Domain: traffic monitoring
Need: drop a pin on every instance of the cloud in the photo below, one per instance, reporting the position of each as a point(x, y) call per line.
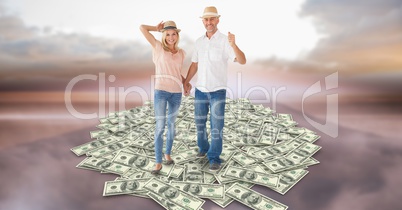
point(359, 35)
point(361, 172)
point(30, 48)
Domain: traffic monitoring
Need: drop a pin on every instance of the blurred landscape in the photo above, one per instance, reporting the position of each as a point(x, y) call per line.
point(362, 162)
point(358, 44)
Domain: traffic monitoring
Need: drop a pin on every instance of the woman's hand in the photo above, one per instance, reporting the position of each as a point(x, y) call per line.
point(187, 88)
point(159, 27)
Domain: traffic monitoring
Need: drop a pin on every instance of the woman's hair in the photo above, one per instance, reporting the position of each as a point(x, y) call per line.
point(164, 45)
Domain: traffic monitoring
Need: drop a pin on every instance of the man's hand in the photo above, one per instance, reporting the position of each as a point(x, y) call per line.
point(187, 88)
point(232, 39)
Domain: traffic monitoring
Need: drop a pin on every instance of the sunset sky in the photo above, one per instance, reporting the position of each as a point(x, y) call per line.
point(349, 50)
point(303, 35)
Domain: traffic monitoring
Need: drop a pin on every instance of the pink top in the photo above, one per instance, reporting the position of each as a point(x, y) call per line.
point(167, 69)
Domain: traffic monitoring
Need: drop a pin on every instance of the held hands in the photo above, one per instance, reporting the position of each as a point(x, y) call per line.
point(187, 88)
point(232, 39)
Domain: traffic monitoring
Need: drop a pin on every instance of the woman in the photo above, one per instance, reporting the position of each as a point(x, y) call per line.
point(168, 59)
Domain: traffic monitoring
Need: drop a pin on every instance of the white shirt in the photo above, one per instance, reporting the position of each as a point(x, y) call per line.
point(212, 56)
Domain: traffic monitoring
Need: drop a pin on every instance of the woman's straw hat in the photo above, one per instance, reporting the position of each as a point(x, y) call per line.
point(170, 25)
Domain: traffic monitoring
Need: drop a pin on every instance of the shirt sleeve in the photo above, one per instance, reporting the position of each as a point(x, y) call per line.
point(156, 52)
point(230, 51)
point(194, 58)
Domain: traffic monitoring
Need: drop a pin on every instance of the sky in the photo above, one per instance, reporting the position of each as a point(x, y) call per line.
point(120, 20)
point(291, 35)
point(46, 43)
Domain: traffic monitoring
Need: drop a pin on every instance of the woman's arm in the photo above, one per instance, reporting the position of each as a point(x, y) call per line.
point(145, 29)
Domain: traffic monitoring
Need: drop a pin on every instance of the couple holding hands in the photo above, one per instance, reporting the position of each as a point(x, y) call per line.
point(210, 59)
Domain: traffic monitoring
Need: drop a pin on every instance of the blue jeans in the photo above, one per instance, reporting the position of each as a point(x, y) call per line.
point(171, 101)
point(214, 102)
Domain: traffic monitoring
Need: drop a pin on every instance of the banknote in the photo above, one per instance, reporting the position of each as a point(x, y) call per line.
point(105, 165)
point(174, 194)
point(124, 187)
point(289, 179)
point(253, 199)
point(92, 145)
point(260, 147)
point(140, 162)
point(213, 191)
point(164, 202)
point(247, 175)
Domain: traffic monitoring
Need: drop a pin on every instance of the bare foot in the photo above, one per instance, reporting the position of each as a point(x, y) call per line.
point(158, 166)
point(167, 157)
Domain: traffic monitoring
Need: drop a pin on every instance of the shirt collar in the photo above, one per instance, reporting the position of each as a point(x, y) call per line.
point(216, 34)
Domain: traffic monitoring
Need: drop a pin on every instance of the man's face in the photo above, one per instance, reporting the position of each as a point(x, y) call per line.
point(171, 192)
point(193, 188)
point(253, 198)
point(249, 175)
point(106, 164)
point(114, 147)
point(97, 143)
point(210, 23)
point(286, 179)
point(194, 177)
point(131, 185)
point(140, 161)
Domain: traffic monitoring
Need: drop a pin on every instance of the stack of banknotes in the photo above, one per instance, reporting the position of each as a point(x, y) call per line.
point(260, 147)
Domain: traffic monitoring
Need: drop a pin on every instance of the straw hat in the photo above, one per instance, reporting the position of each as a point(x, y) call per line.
point(210, 12)
point(170, 25)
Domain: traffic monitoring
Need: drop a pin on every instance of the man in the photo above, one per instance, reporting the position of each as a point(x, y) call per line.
point(138, 161)
point(212, 52)
point(129, 185)
point(250, 175)
point(194, 176)
point(251, 198)
point(192, 188)
point(169, 192)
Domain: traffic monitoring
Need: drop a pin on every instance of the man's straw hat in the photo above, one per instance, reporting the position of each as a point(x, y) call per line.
point(210, 12)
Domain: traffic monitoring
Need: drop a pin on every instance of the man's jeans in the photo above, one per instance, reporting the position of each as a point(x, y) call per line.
point(214, 102)
point(163, 99)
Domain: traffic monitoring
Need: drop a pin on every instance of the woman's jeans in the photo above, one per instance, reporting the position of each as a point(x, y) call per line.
point(215, 103)
point(171, 101)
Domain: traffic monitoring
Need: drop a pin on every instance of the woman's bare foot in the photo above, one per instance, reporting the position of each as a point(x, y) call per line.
point(167, 157)
point(169, 160)
point(158, 166)
point(157, 169)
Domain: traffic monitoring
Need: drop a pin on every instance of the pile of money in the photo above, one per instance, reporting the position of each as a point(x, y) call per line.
point(260, 147)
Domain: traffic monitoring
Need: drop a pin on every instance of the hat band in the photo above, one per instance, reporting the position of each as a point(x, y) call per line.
point(169, 27)
point(210, 14)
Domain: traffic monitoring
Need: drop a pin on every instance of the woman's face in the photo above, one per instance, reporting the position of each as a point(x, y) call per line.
point(171, 37)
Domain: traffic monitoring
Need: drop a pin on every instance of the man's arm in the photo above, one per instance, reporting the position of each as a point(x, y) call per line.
point(190, 74)
point(240, 57)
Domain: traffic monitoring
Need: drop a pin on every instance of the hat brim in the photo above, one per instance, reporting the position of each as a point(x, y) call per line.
point(177, 30)
point(206, 16)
